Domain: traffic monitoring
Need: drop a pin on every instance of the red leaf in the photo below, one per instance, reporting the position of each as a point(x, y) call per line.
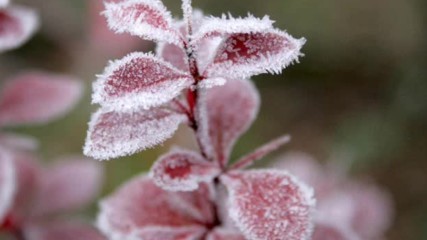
point(68, 185)
point(139, 206)
point(139, 80)
point(114, 134)
point(174, 55)
point(7, 184)
point(225, 234)
point(242, 55)
point(182, 170)
point(61, 230)
point(269, 205)
point(260, 152)
point(231, 109)
point(17, 25)
point(37, 97)
point(148, 19)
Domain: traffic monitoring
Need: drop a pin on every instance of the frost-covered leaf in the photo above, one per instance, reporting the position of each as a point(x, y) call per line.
point(261, 152)
point(211, 82)
point(139, 80)
point(115, 134)
point(148, 19)
point(225, 26)
point(140, 206)
point(37, 97)
point(268, 204)
point(242, 55)
point(17, 25)
point(231, 109)
point(68, 185)
point(325, 231)
point(174, 55)
point(170, 233)
point(182, 170)
point(18, 142)
point(7, 184)
point(61, 230)
point(225, 234)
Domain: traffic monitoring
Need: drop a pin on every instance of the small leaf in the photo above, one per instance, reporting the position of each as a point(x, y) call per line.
point(58, 191)
point(260, 152)
point(148, 19)
point(61, 230)
point(173, 54)
point(268, 204)
point(243, 55)
point(139, 80)
point(37, 97)
point(7, 184)
point(182, 170)
point(17, 25)
point(139, 206)
point(231, 109)
point(225, 234)
point(115, 134)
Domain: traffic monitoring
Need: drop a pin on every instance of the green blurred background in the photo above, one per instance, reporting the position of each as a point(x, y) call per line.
point(358, 96)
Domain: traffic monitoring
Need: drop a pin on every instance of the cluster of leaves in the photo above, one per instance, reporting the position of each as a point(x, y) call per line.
point(199, 77)
point(32, 197)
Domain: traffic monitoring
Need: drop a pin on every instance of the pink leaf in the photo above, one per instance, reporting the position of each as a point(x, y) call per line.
point(242, 55)
point(37, 97)
point(231, 109)
point(7, 184)
point(182, 170)
point(225, 234)
point(267, 204)
point(114, 134)
point(325, 231)
point(174, 55)
point(68, 185)
point(139, 206)
point(62, 231)
point(18, 142)
point(148, 19)
point(17, 25)
point(168, 233)
point(139, 80)
point(260, 152)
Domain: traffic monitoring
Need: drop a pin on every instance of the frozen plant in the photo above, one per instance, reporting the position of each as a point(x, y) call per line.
point(347, 209)
point(145, 97)
point(17, 25)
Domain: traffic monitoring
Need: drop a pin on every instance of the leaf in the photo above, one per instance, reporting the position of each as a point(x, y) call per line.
point(148, 19)
point(224, 234)
point(7, 184)
point(269, 204)
point(37, 97)
point(115, 134)
point(168, 233)
point(260, 152)
point(139, 80)
point(17, 25)
point(61, 230)
point(69, 185)
point(139, 206)
point(242, 55)
point(173, 54)
point(231, 109)
point(182, 170)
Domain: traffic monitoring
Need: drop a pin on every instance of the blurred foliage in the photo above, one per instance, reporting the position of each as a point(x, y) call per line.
point(359, 94)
